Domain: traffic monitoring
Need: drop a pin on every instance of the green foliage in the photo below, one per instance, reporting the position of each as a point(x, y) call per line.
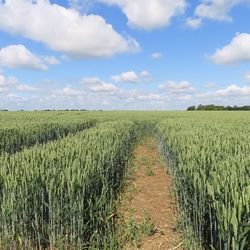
point(18, 137)
point(210, 163)
point(133, 232)
point(64, 191)
point(191, 108)
point(62, 194)
point(149, 171)
point(147, 226)
point(213, 107)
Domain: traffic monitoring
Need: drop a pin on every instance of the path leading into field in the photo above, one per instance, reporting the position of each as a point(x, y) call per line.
point(149, 202)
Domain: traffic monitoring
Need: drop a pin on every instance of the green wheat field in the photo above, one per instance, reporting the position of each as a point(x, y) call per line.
point(61, 173)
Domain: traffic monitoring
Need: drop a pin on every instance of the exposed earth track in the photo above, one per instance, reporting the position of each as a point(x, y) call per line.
point(148, 202)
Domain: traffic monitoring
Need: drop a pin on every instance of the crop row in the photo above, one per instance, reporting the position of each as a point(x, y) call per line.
point(16, 138)
point(210, 163)
point(61, 194)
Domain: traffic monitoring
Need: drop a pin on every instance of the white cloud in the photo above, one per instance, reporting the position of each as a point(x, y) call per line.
point(150, 97)
point(187, 95)
point(157, 55)
point(3, 89)
point(194, 23)
point(173, 87)
point(95, 84)
point(26, 88)
point(231, 90)
point(235, 52)
point(129, 77)
point(8, 84)
point(62, 29)
point(217, 9)
point(7, 81)
point(94, 93)
point(145, 76)
point(132, 77)
point(17, 56)
point(69, 91)
point(149, 14)
point(51, 60)
point(11, 101)
point(247, 77)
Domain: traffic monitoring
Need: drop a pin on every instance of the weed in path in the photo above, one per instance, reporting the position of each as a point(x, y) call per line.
point(143, 160)
point(147, 226)
point(150, 146)
point(149, 171)
point(133, 232)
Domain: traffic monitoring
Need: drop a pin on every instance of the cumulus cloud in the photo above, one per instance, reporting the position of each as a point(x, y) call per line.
point(157, 55)
point(231, 90)
point(90, 93)
point(62, 29)
point(149, 14)
point(247, 77)
point(145, 76)
point(69, 91)
point(10, 84)
point(173, 87)
point(194, 23)
point(150, 97)
point(11, 101)
point(94, 93)
point(185, 94)
point(235, 52)
point(129, 77)
point(7, 81)
point(132, 77)
point(217, 9)
point(50, 60)
point(95, 84)
point(3, 89)
point(18, 56)
point(26, 88)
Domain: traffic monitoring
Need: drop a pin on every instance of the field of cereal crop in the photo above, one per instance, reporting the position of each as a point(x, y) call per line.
point(61, 174)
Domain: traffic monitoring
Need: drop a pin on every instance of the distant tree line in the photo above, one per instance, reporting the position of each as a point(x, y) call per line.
point(216, 107)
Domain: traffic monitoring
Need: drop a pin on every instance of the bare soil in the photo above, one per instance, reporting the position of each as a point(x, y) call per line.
point(150, 193)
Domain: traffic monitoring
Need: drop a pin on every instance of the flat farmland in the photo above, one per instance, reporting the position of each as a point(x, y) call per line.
point(63, 174)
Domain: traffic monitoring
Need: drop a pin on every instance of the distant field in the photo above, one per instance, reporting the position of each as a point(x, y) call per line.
point(61, 172)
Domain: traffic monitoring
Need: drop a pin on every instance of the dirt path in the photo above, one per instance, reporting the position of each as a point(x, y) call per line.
point(148, 207)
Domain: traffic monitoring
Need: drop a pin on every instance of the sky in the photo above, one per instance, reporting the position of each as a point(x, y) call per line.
point(124, 54)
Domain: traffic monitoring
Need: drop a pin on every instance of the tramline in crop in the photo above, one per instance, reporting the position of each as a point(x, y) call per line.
point(62, 193)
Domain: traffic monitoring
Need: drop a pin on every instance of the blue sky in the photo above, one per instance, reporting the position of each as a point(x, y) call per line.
point(124, 54)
